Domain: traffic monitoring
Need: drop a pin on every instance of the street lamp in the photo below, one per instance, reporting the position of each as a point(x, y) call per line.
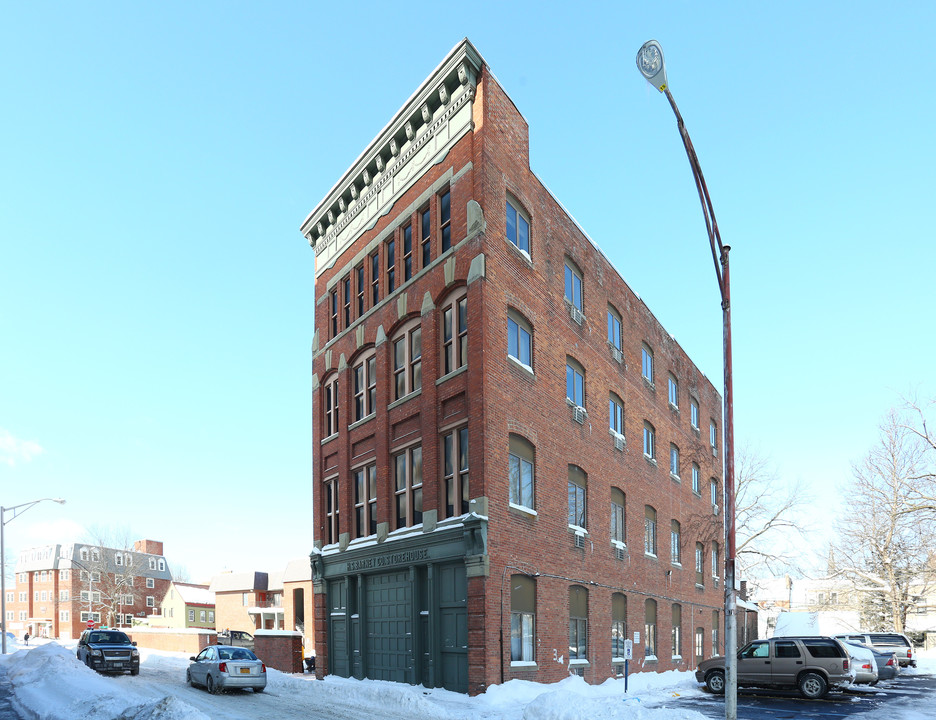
point(16, 510)
point(651, 66)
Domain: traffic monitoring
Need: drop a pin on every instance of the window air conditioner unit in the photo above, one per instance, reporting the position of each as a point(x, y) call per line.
point(619, 553)
point(578, 414)
point(619, 442)
point(576, 314)
point(617, 354)
point(579, 541)
point(714, 509)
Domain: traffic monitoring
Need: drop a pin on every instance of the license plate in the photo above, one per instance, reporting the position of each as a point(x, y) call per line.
point(245, 671)
point(117, 664)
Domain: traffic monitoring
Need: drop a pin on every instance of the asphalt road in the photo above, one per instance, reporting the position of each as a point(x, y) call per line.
point(906, 696)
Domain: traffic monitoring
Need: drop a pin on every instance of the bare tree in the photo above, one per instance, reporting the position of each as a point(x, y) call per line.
point(108, 565)
point(884, 540)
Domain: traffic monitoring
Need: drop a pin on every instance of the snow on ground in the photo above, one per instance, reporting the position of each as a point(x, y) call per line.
point(49, 683)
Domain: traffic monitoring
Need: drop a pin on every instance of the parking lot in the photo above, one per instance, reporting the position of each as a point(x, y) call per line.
point(907, 696)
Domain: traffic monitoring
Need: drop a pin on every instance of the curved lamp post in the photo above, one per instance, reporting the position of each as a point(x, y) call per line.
point(651, 66)
point(15, 510)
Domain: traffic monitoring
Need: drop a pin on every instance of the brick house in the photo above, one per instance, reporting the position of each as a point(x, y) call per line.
point(59, 589)
point(503, 433)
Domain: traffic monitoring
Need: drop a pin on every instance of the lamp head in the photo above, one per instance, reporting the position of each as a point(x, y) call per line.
point(60, 501)
point(651, 65)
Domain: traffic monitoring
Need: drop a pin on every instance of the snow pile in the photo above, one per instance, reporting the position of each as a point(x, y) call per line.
point(797, 623)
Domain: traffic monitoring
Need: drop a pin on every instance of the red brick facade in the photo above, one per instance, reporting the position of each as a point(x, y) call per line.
point(496, 398)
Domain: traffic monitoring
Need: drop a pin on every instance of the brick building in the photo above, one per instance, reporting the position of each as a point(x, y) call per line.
point(516, 467)
point(59, 589)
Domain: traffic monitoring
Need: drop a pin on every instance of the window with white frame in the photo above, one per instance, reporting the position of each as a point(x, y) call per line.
point(408, 481)
point(674, 461)
point(575, 382)
point(676, 630)
point(330, 491)
point(675, 543)
point(64, 615)
point(650, 530)
point(85, 554)
point(646, 365)
point(201, 616)
point(573, 285)
point(649, 441)
point(715, 623)
point(95, 576)
point(673, 392)
point(118, 559)
point(578, 623)
point(618, 626)
point(329, 408)
point(95, 555)
point(699, 563)
point(616, 414)
point(694, 413)
point(519, 339)
point(715, 564)
point(618, 516)
point(518, 226)
point(455, 472)
point(713, 437)
point(713, 490)
point(578, 488)
point(162, 565)
point(407, 362)
point(365, 500)
point(455, 333)
point(191, 616)
point(614, 328)
point(211, 616)
point(364, 380)
point(152, 563)
point(150, 601)
point(521, 458)
point(699, 644)
point(522, 618)
point(696, 479)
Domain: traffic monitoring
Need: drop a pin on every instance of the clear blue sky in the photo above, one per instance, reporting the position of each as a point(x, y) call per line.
point(157, 160)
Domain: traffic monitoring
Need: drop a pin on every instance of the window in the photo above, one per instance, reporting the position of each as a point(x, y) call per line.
point(674, 461)
point(455, 334)
point(578, 623)
point(359, 287)
point(518, 227)
point(63, 616)
point(713, 437)
point(331, 510)
point(673, 392)
point(715, 563)
point(407, 252)
point(675, 542)
point(150, 583)
point(618, 626)
point(573, 286)
point(578, 483)
point(333, 311)
point(408, 480)
point(445, 220)
point(575, 383)
point(84, 554)
point(162, 565)
point(699, 644)
point(694, 413)
point(375, 278)
point(521, 472)
point(714, 632)
point(63, 595)
point(346, 300)
point(425, 224)
point(201, 616)
point(245, 599)
point(713, 489)
point(786, 649)
point(522, 616)
point(646, 368)
point(44, 595)
point(616, 414)
point(152, 563)
point(330, 395)
point(407, 362)
point(118, 559)
point(191, 616)
point(365, 501)
point(696, 479)
point(677, 630)
point(519, 339)
point(650, 530)
point(650, 628)
point(649, 441)
point(699, 564)
point(455, 471)
point(211, 616)
point(391, 266)
point(150, 601)
point(95, 576)
point(618, 516)
point(614, 329)
point(365, 387)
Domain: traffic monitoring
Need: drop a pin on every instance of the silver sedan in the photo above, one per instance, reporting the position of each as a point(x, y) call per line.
point(222, 667)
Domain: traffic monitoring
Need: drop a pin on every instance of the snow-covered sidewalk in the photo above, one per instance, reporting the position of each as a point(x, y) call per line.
point(49, 683)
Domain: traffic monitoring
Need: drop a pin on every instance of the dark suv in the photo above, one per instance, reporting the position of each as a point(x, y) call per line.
point(811, 664)
point(109, 651)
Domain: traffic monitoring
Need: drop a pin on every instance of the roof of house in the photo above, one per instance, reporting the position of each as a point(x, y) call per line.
point(195, 594)
point(298, 570)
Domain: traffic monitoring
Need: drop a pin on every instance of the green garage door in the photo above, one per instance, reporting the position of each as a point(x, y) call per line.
point(389, 618)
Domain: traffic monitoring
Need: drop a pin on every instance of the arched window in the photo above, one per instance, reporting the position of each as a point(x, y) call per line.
point(578, 623)
point(675, 543)
point(330, 406)
point(650, 530)
point(618, 626)
point(618, 516)
point(578, 487)
point(519, 339)
point(650, 628)
point(407, 361)
point(455, 332)
point(522, 618)
point(518, 226)
point(522, 475)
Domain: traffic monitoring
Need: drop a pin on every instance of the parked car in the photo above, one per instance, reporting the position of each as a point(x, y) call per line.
point(896, 643)
point(811, 664)
point(108, 651)
point(863, 663)
point(888, 665)
point(236, 638)
point(222, 667)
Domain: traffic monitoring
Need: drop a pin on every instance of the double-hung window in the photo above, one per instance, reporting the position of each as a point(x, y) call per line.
point(330, 403)
point(713, 491)
point(454, 334)
point(614, 329)
point(715, 564)
point(616, 415)
point(649, 441)
point(573, 286)
point(407, 252)
point(618, 626)
point(575, 383)
point(694, 413)
point(359, 288)
point(365, 387)
point(518, 227)
point(330, 490)
point(713, 437)
point(333, 312)
point(375, 278)
point(407, 362)
point(425, 224)
point(578, 484)
point(650, 530)
point(519, 339)
point(365, 501)
point(674, 461)
point(618, 517)
point(522, 618)
point(699, 564)
point(521, 472)
point(650, 627)
point(696, 479)
point(646, 368)
point(391, 266)
point(455, 471)
point(445, 220)
point(346, 300)
point(408, 481)
point(675, 543)
point(578, 623)
point(673, 392)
